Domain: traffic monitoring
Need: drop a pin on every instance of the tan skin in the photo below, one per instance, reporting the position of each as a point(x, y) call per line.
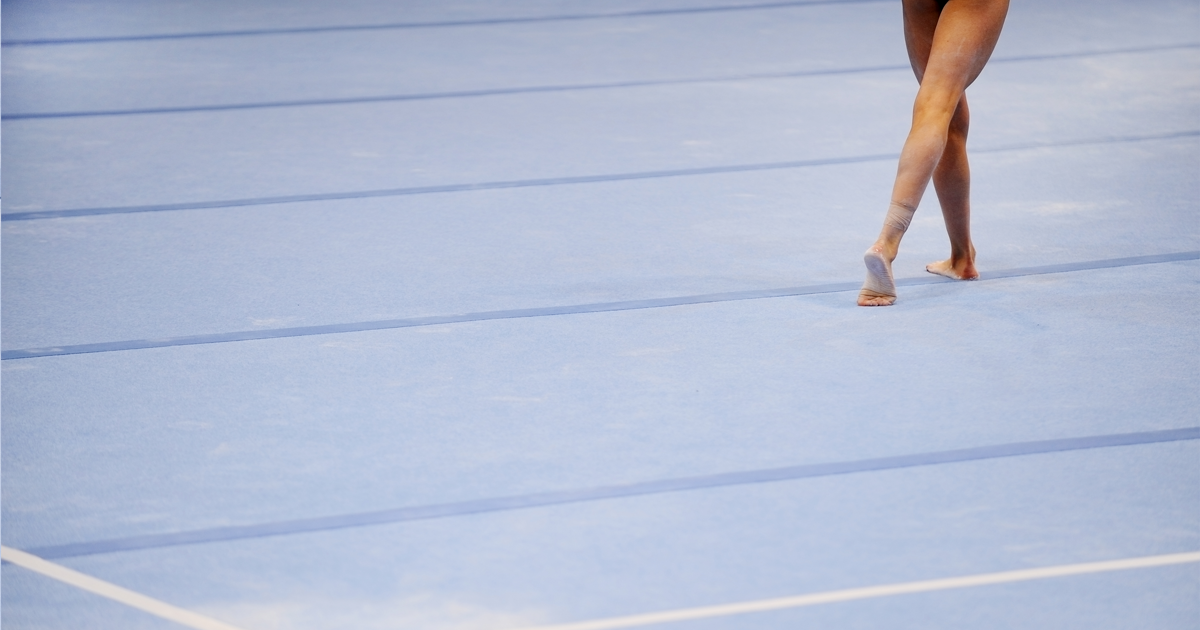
point(948, 47)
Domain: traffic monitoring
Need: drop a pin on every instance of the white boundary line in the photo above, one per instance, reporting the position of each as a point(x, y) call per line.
point(885, 590)
point(112, 591)
point(200, 622)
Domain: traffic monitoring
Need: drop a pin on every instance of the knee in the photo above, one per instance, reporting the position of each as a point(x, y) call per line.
point(960, 123)
point(935, 108)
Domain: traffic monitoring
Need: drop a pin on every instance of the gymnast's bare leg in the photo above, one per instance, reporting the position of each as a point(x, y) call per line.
point(948, 45)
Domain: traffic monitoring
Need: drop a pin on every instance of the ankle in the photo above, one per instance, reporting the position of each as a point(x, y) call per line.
point(962, 257)
point(889, 248)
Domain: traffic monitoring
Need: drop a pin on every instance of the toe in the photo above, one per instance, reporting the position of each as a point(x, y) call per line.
point(867, 298)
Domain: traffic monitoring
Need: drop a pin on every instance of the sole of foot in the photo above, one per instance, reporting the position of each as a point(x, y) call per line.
point(879, 289)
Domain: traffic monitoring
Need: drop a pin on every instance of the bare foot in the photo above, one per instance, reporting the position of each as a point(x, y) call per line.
point(956, 268)
point(879, 289)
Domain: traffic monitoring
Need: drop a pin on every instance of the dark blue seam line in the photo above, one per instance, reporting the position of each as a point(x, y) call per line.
point(443, 24)
point(541, 499)
point(601, 307)
point(535, 89)
point(447, 188)
point(550, 88)
point(553, 181)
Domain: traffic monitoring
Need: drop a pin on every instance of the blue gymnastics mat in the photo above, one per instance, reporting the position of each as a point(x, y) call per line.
point(479, 315)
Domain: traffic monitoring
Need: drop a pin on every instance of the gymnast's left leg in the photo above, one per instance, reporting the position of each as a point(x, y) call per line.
point(952, 181)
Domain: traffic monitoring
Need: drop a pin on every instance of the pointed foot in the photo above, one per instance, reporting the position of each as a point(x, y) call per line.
point(879, 289)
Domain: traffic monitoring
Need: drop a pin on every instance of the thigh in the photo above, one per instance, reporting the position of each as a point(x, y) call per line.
point(965, 36)
point(920, 23)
